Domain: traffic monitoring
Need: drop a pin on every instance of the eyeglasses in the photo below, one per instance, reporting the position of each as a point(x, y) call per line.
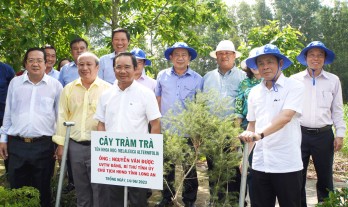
point(32, 61)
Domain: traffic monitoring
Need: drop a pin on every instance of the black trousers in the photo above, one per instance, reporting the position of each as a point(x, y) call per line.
point(189, 193)
point(269, 186)
point(321, 148)
point(31, 165)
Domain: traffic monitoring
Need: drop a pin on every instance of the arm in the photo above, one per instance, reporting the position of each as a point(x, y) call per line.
point(276, 124)
point(159, 102)
point(155, 126)
point(337, 116)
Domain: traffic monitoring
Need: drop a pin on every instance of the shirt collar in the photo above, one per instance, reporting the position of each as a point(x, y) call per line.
point(322, 73)
point(51, 72)
point(187, 72)
point(280, 81)
point(128, 88)
point(96, 82)
point(229, 72)
point(26, 79)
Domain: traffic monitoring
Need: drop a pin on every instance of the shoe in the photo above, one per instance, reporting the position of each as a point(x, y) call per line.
point(68, 188)
point(164, 203)
point(190, 204)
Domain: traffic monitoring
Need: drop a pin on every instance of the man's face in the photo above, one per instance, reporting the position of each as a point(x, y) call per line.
point(120, 42)
point(268, 66)
point(124, 70)
point(180, 58)
point(225, 59)
point(51, 57)
point(140, 68)
point(77, 49)
point(35, 63)
point(87, 68)
point(315, 58)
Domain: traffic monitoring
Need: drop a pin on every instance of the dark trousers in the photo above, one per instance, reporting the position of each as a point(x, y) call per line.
point(30, 165)
point(321, 148)
point(189, 193)
point(113, 196)
point(269, 186)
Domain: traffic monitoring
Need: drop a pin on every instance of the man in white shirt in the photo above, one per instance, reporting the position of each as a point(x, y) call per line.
point(128, 107)
point(30, 117)
point(322, 108)
point(274, 108)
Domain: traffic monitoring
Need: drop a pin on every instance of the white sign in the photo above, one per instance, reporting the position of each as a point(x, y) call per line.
point(134, 160)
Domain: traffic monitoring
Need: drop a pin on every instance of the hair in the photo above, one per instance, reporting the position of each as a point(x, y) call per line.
point(127, 54)
point(49, 47)
point(248, 72)
point(30, 50)
point(61, 62)
point(79, 39)
point(89, 54)
point(120, 30)
point(313, 48)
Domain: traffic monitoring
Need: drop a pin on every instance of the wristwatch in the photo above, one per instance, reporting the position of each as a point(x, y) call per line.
point(262, 135)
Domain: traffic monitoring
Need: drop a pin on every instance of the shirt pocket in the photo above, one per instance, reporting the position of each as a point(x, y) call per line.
point(187, 92)
point(136, 110)
point(324, 99)
point(47, 105)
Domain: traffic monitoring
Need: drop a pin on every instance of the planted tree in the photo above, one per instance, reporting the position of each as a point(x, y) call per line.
point(210, 135)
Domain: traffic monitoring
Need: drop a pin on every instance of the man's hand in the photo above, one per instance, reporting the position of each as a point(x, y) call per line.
point(249, 136)
point(3, 150)
point(338, 143)
point(59, 152)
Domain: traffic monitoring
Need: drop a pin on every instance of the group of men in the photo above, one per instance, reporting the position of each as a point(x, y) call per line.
point(113, 93)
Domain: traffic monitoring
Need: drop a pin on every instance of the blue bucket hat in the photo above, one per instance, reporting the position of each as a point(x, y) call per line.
point(268, 49)
point(330, 56)
point(140, 54)
point(183, 45)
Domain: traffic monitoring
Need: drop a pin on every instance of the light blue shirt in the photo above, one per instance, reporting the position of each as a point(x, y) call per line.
point(106, 69)
point(68, 73)
point(54, 73)
point(226, 85)
point(174, 89)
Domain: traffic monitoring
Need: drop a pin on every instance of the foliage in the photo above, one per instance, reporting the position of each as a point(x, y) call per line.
point(286, 39)
point(345, 140)
point(211, 132)
point(25, 196)
point(337, 198)
point(67, 199)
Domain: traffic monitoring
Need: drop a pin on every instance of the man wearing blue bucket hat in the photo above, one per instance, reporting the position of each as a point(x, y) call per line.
point(274, 108)
point(174, 86)
point(322, 108)
point(140, 75)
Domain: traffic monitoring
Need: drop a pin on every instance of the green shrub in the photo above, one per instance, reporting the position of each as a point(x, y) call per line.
point(25, 196)
point(337, 198)
point(345, 144)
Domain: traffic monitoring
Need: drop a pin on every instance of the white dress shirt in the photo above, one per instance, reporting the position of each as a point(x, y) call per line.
point(323, 104)
point(279, 152)
point(127, 111)
point(31, 109)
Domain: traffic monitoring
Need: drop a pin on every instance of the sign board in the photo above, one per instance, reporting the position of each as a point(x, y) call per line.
point(134, 160)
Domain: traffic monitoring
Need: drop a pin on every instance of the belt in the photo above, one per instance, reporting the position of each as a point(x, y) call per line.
point(85, 143)
point(31, 139)
point(308, 130)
